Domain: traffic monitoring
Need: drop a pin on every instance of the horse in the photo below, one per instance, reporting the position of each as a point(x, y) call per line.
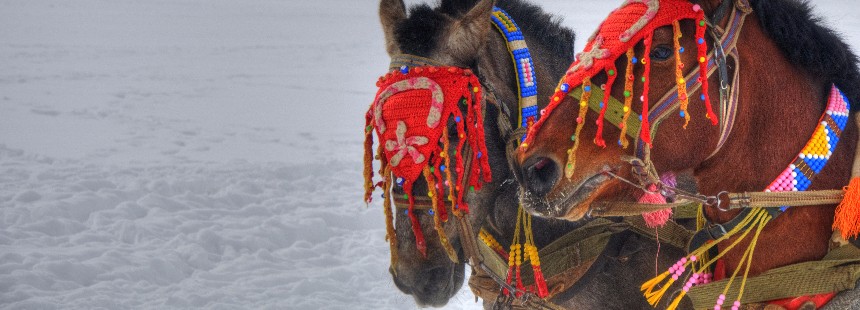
point(459, 34)
point(776, 68)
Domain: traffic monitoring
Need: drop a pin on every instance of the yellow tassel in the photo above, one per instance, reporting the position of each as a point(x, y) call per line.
point(649, 285)
point(679, 75)
point(390, 233)
point(580, 121)
point(847, 219)
point(677, 301)
point(655, 297)
point(628, 98)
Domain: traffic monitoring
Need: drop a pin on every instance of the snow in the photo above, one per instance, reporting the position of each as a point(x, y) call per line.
point(201, 153)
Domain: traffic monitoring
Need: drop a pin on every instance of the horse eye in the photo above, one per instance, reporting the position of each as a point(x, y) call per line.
point(661, 53)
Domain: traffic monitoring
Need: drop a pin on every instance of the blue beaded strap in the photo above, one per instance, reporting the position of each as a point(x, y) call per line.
point(527, 84)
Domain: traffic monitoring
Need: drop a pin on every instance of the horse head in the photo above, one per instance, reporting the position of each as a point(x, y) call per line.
point(734, 99)
point(428, 259)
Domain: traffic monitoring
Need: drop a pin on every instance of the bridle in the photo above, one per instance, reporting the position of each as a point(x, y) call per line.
point(512, 127)
point(644, 172)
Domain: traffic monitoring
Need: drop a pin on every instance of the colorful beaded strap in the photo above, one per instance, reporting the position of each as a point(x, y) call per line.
point(797, 177)
point(527, 84)
point(811, 160)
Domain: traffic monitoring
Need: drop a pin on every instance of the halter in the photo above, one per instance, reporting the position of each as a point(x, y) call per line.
point(589, 242)
point(407, 70)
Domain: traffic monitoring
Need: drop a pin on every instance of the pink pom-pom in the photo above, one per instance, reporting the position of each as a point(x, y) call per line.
point(657, 218)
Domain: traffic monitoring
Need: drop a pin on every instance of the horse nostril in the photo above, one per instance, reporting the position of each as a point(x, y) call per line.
point(541, 174)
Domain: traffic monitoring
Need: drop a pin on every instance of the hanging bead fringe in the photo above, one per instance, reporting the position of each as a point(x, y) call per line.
point(628, 97)
point(679, 74)
point(580, 122)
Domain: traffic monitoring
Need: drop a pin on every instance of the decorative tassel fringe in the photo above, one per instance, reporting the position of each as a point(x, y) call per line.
point(645, 132)
point(580, 121)
point(532, 255)
point(437, 220)
point(679, 74)
point(491, 242)
point(461, 101)
point(702, 49)
point(368, 158)
point(611, 73)
point(420, 243)
point(628, 97)
point(847, 219)
point(390, 233)
point(755, 220)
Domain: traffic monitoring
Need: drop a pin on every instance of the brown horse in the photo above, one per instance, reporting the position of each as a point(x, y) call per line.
point(459, 33)
point(786, 65)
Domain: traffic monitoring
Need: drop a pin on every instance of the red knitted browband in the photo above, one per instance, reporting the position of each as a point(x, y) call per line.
point(631, 23)
point(410, 116)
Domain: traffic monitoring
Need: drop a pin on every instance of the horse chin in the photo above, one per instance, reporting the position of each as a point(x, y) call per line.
point(573, 201)
point(433, 287)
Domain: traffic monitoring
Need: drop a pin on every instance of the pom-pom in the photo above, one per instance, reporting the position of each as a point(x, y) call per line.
point(657, 218)
point(847, 219)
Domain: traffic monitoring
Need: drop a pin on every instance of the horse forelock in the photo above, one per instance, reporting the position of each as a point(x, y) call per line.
point(419, 33)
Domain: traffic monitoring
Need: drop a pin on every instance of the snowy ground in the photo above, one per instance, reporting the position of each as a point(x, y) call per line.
point(200, 153)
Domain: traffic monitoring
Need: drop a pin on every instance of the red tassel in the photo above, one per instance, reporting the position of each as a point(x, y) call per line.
point(508, 280)
point(520, 286)
point(645, 132)
point(416, 225)
point(847, 219)
point(540, 282)
point(703, 64)
point(610, 79)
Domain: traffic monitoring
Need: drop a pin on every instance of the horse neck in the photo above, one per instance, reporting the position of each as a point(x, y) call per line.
point(779, 107)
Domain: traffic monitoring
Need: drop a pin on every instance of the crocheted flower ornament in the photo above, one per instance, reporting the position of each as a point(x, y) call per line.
point(626, 26)
point(410, 116)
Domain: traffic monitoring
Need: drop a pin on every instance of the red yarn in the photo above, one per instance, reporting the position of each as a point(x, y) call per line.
point(540, 282)
point(410, 113)
point(645, 132)
point(607, 91)
point(610, 42)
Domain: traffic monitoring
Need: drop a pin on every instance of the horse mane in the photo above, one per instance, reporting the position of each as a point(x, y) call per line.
point(419, 33)
point(806, 42)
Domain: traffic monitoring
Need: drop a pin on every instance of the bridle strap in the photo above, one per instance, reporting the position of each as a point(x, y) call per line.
point(717, 62)
point(400, 60)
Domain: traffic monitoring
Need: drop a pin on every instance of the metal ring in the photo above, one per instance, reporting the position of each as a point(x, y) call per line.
point(719, 206)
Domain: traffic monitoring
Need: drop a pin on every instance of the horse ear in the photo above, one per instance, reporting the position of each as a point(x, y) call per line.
point(391, 12)
point(470, 32)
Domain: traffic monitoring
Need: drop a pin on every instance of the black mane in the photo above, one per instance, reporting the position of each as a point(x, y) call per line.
point(419, 33)
point(806, 42)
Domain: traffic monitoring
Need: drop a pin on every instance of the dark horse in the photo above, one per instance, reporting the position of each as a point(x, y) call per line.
point(786, 66)
point(460, 34)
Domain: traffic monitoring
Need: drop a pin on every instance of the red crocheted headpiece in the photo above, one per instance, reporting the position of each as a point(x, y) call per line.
point(410, 116)
point(626, 26)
